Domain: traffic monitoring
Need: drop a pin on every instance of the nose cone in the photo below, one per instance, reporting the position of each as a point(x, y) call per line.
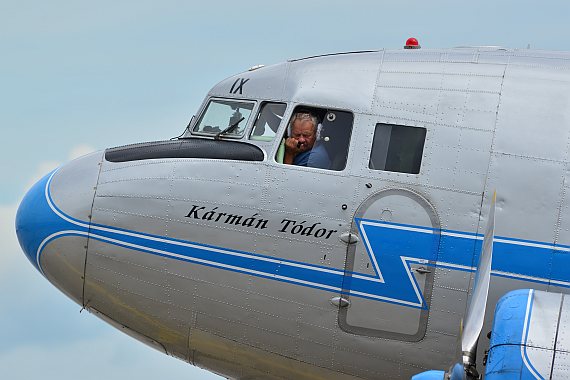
point(32, 222)
point(52, 223)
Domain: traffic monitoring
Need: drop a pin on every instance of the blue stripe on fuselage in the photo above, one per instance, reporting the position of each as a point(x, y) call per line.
point(393, 247)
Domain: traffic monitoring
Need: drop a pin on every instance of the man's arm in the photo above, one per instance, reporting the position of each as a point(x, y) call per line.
point(292, 149)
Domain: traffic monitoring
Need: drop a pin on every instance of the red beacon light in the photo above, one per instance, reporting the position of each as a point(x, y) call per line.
point(412, 43)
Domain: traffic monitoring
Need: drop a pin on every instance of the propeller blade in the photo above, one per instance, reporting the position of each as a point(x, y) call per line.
point(476, 311)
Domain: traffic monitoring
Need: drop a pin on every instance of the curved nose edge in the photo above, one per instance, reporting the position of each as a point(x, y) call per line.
point(53, 219)
point(35, 220)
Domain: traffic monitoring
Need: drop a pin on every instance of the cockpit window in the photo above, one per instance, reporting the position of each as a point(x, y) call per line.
point(225, 116)
point(316, 138)
point(397, 148)
point(268, 121)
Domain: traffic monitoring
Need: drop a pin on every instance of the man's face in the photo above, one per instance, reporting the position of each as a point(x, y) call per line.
point(304, 132)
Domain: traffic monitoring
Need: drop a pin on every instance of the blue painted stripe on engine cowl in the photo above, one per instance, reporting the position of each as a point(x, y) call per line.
point(508, 357)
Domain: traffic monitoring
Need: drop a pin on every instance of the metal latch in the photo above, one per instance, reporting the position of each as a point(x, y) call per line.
point(340, 302)
point(349, 238)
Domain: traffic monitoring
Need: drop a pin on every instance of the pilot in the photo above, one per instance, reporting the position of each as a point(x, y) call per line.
point(300, 147)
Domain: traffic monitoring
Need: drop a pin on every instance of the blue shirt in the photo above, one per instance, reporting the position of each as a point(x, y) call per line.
point(314, 158)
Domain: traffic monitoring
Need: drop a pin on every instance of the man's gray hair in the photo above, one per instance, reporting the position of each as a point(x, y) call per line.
point(304, 116)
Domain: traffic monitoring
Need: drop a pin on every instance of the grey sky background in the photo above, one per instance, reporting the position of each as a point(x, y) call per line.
point(79, 76)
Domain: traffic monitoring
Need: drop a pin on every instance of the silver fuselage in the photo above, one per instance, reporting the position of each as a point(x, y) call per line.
point(210, 260)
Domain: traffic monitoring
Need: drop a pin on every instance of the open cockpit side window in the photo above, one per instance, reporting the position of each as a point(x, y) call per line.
point(268, 121)
point(224, 117)
point(397, 148)
point(316, 138)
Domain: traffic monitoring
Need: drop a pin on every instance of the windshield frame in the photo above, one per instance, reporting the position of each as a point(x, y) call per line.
point(246, 126)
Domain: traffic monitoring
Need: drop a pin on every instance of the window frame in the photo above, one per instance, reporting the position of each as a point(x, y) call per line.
point(259, 109)
point(292, 108)
point(247, 127)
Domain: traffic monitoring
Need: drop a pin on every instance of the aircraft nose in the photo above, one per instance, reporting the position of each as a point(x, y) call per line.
point(52, 223)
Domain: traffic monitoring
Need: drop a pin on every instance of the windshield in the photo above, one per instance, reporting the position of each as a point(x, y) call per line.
point(221, 114)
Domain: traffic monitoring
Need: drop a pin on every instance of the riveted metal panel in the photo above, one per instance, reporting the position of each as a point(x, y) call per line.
point(457, 159)
point(63, 263)
point(541, 359)
point(446, 310)
point(73, 186)
point(335, 81)
point(563, 225)
point(528, 194)
point(543, 323)
point(535, 107)
point(265, 83)
point(560, 368)
point(563, 337)
point(130, 287)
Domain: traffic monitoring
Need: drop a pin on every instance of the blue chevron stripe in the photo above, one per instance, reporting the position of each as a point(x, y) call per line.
point(392, 249)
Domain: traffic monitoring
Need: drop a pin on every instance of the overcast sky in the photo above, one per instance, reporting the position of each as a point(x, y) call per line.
point(78, 76)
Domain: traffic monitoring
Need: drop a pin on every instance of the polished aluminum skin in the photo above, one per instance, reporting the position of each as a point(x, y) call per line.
point(496, 119)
